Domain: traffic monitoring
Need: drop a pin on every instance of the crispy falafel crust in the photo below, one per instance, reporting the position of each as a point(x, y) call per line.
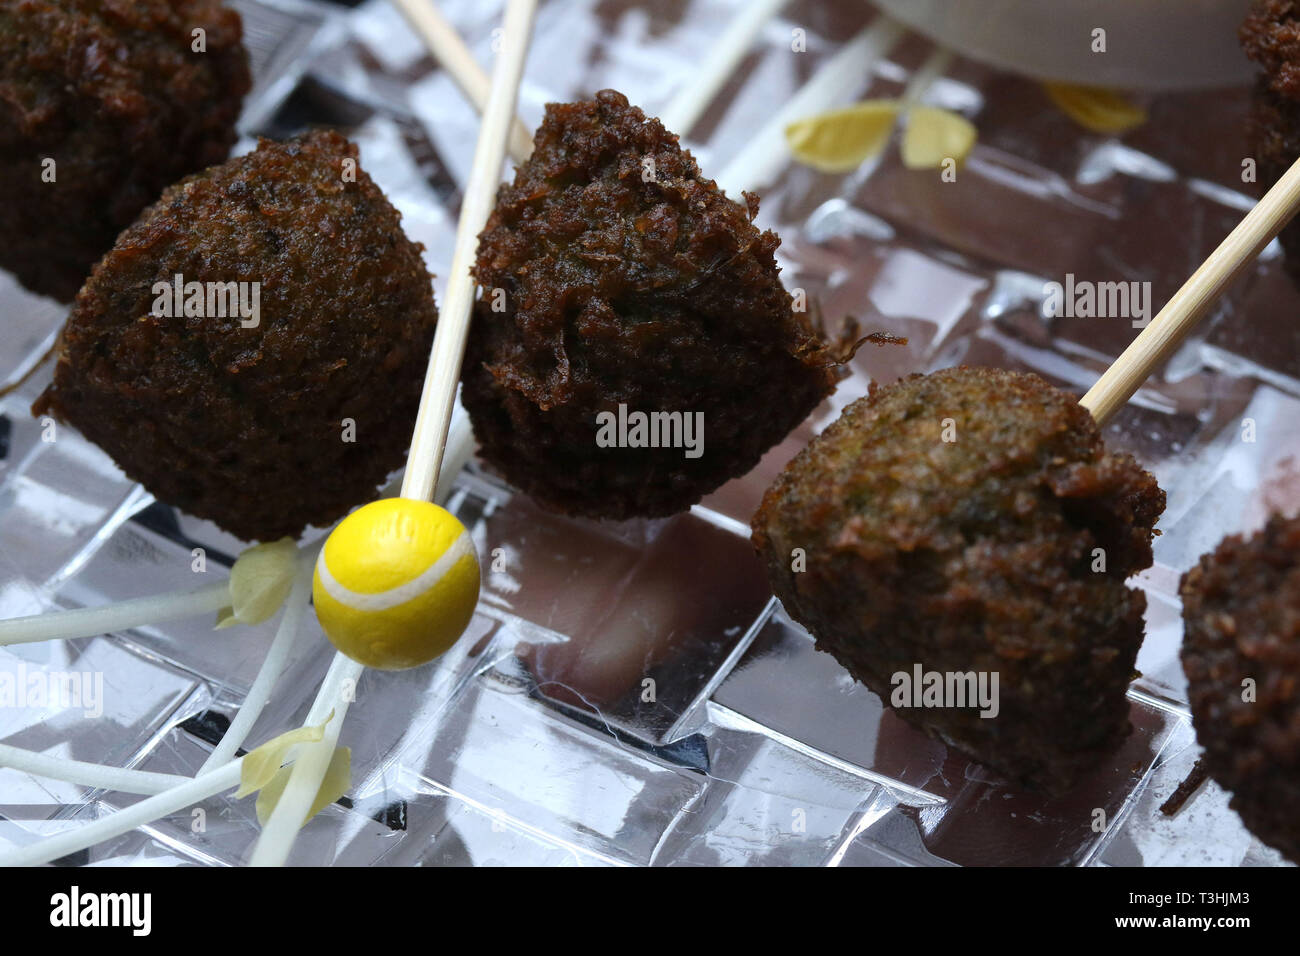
point(1270, 36)
point(629, 278)
point(245, 426)
point(113, 92)
point(1241, 617)
point(973, 554)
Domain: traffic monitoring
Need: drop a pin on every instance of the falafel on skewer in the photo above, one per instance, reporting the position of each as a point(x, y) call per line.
point(953, 520)
point(970, 552)
point(102, 105)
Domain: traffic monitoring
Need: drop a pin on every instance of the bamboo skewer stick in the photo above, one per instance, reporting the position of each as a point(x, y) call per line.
point(1190, 303)
point(428, 442)
point(219, 773)
point(455, 57)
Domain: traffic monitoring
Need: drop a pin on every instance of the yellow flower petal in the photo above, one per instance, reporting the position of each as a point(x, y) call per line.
point(261, 765)
point(338, 777)
point(260, 582)
point(934, 135)
point(1094, 108)
point(841, 140)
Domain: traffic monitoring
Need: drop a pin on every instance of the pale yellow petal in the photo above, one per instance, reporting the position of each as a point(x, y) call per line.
point(338, 777)
point(934, 136)
point(261, 765)
point(260, 581)
point(1095, 108)
point(841, 140)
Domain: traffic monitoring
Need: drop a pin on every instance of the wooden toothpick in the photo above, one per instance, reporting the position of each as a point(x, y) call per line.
point(446, 46)
point(428, 442)
point(1190, 303)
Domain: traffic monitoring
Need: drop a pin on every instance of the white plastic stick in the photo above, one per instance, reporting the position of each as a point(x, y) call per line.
point(935, 65)
point(123, 616)
point(290, 813)
point(459, 450)
point(295, 607)
point(124, 821)
point(703, 84)
point(97, 776)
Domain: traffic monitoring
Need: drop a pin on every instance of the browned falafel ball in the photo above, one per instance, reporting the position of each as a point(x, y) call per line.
point(614, 274)
point(291, 421)
point(951, 521)
point(1270, 36)
point(1241, 622)
point(115, 93)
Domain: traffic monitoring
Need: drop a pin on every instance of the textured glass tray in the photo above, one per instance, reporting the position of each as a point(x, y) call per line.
point(533, 742)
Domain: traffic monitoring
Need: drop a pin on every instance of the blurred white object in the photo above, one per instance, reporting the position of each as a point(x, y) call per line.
point(1150, 44)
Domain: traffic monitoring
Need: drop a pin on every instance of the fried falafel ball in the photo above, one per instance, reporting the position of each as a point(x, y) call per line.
point(1241, 617)
point(1270, 36)
point(614, 274)
point(951, 520)
point(114, 92)
point(292, 420)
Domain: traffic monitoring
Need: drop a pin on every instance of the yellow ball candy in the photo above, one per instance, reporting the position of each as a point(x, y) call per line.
point(396, 583)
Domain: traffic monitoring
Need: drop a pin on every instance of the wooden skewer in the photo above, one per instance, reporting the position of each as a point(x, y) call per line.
point(429, 440)
point(447, 47)
point(1190, 303)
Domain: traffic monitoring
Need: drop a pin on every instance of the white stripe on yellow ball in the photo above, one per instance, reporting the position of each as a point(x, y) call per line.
point(396, 583)
point(384, 600)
